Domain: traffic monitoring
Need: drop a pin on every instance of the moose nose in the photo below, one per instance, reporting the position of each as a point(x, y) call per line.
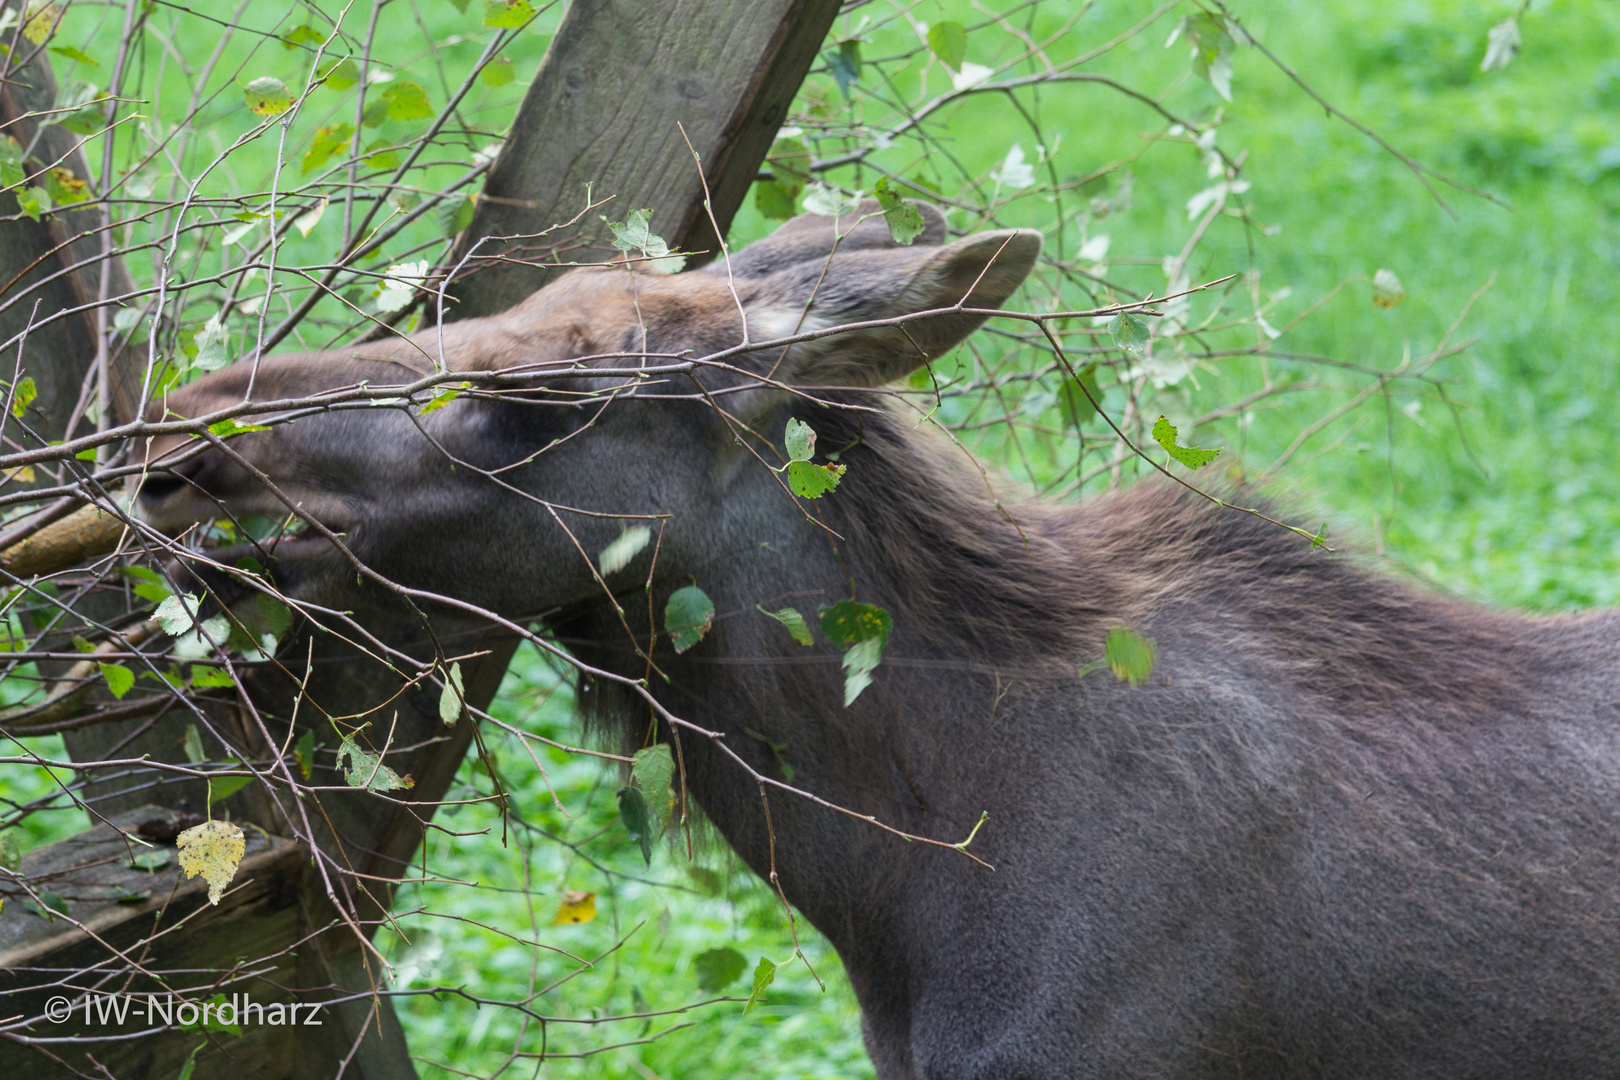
point(159, 486)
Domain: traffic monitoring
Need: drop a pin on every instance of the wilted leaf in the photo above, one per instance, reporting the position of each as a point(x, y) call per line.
point(213, 851)
point(718, 969)
point(65, 188)
point(498, 72)
point(1388, 291)
point(859, 662)
point(635, 234)
point(24, 395)
point(1501, 44)
point(39, 21)
point(764, 975)
point(326, 141)
point(507, 14)
point(1165, 433)
point(576, 907)
point(366, 769)
point(687, 617)
point(1014, 172)
point(192, 744)
point(119, 678)
point(267, 96)
point(450, 699)
point(1077, 406)
point(304, 753)
point(948, 41)
point(407, 101)
point(1130, 333)
point(617, 555)
point(307, 221)
point(399, 284)
point(653, 769)
point(850, 622)
point(211, 341)
point(828, 201)
point(905, 220)
point(1130, 656)
point(813, 481)
point(633, 812)
point(794, 623)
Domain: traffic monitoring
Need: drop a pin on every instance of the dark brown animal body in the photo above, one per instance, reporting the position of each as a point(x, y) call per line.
point(1346, 829)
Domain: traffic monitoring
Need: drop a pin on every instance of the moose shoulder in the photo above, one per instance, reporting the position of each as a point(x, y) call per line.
point(1345, 829)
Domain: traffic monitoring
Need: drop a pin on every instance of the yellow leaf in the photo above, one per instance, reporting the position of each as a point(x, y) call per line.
point(212, 850)
point(40, 22)
point(576, 907)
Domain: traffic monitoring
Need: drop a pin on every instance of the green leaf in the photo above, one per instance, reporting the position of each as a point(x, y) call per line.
point(304, 753)
point(687, 617)
point(202, 676)
point(50, 900)
point(718, 969)
point(1212, 51)
point(375, 113)
point(33, 201)
point(1077, 407)
point(850, 622)
point(191, 1063)
point(327, 141)
point(764, 975)
point(212, 343)
point(366, 770)
point(119, 678)
point(223, 787)
point(192, 744)
point(452, 697)
point(150, 859)
point(793, 622)
point(24, 395)
point(860, 660)
point(274, 616)
point(617, 555)
point(226, 428)
point(905, 220)
point(154, 592)
point(301, 35)
point(1388, 291)
point(444, 396)
point(74, 54)
point(801, 440)
point(775, 200)
point(507, 14)
point(1130, 333)
point(1130, 656)
point(633, 812)
point(407, 101)
point(813, 481)
point(378, 156)
point(65, 188)
point(339, 74)
point(1164, 433)
point(948, 40)
point(83, 645)
point(845, 64)
point(498, 72)
point(454, 214)
point(267, 96)
point(653, 769)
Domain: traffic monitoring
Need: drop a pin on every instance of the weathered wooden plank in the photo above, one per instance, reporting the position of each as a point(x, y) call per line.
point(603, 110)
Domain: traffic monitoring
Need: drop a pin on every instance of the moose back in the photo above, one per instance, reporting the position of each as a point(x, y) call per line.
point(1345, 829)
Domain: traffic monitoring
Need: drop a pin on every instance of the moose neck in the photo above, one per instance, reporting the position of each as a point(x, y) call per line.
point(975, 618)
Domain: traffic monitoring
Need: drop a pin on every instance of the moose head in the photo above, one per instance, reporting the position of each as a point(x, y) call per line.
point(589, 404)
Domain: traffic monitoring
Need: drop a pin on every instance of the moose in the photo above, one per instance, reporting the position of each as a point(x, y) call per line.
point(1344, 827)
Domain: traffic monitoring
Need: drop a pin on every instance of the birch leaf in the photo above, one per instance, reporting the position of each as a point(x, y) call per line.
point(366, 770)
point(213, 851)
point(576, 907)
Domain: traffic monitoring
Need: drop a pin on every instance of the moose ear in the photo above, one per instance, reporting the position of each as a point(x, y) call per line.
point(812, 237)
point(980, 271)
